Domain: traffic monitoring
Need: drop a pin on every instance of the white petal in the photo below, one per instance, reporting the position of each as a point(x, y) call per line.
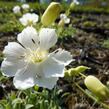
point(14, 49)
point(26, 77)
point(76, 2)
point(48, 38)
point(63, 56)
point(67, 20)
point(16, 9)
point(46, 82)
point(25, 6)
point(29, 17)
point(9, 67)
point(29, 38)
point(63, 16)
point(23, 21)
point(35, 17)
point(14, 58)
point(52, 68)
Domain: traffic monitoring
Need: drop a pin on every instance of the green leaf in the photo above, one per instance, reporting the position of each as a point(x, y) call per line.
point(1, 106)
point(18, 104)
point(65, 94)
point(8, 106)
point(29, 106)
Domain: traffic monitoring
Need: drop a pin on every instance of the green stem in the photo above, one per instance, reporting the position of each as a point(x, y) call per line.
point(83, 75)
point(19, 93)
point(92, 97)
point(68, 12)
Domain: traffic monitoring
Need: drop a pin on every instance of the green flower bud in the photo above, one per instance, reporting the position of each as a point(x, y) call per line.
point(72, 6)
point(73, 72)
point(96, 87)
point(70, 72)
point(80, 69)
point(76, 71)
point(51, 13)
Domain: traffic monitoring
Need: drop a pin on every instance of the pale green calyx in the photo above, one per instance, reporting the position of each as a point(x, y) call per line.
point(51, 13)
point(96, 87)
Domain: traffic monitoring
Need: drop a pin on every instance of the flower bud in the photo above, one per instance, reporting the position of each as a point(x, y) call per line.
point(72, 6)
point(70, 72)
point(96, 87)
point(51, 13)
point(80, 69)
point(76, 71)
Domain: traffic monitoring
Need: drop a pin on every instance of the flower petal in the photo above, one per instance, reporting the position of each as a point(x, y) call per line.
point(14, 49)
point(26, 77)
point(29, 38)
point(46, 82)
point(63, 57)
point(52, 68)
point(63, 16)
point(10, 66)
point(23, 21)
point(67, 20)
point(48, 38)
point(25, 6)
point(35, 18)
point(28, 17)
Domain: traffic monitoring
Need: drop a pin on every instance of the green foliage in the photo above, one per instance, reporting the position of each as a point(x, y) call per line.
point(66, 31)
point(106, 43)
point(9, 5)
point(75, 21)
point(90, 9)
point(11, 26)
point(89, 24)
point(31, 99)
point(9, 23)
point(106, 25)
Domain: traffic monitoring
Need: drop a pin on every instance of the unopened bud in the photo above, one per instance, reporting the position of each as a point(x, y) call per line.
point(96, 87)
point(72, 6)
point(51, 13)
point(76, 71)
point(80, 69)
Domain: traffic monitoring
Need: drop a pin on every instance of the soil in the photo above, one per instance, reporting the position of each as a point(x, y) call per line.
point(87, 50)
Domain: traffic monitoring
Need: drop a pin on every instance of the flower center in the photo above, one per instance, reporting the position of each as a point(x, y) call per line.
point(37, 56)
point(30, 22)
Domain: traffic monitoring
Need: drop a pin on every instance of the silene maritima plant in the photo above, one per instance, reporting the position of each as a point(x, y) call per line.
point(32, 64)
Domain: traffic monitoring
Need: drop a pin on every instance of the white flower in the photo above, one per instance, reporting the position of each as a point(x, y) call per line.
point(76, 2)
point(30, 61)
point(65, 18)
point(25, 6)
point(16, 9)
point(29, 19)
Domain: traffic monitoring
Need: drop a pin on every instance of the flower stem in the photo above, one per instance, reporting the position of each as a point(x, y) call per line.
point(83, 75)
